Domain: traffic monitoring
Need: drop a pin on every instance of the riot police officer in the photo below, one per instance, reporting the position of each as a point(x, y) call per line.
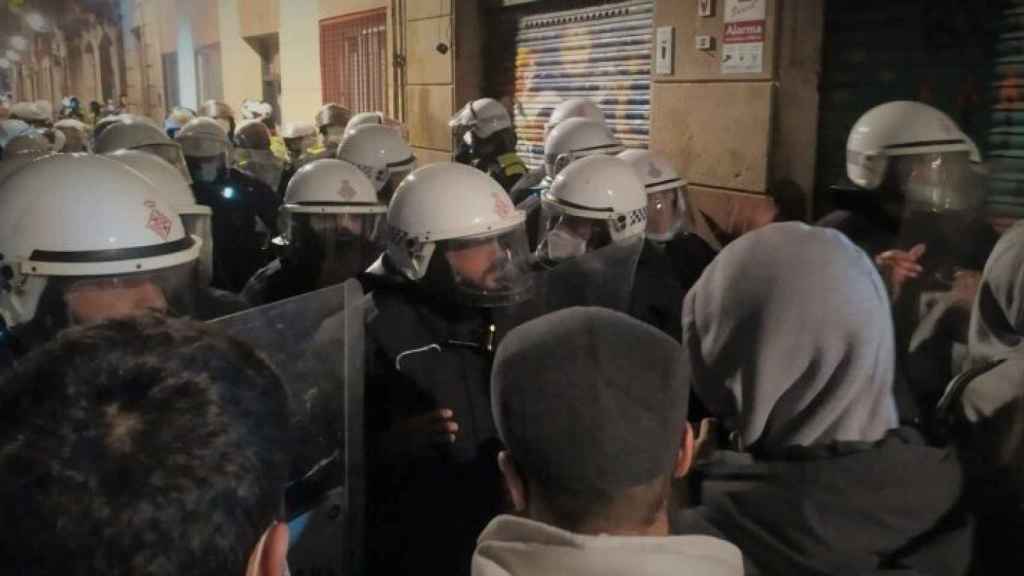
point(570, 108)
point(253, 154)
point(456, 254)
point(673, 257)
point(222, 114)
point(244, 209)
point(911, 165)
point(122, 252)
point(333, 228)
point(487, 141)
point(331, 122)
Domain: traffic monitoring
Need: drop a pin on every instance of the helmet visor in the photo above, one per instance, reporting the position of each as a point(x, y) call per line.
point(666, 214)
point(262, 165)
point(170, 153)
point(490, 271)
point(333, 135)
point(340, 245)
point(198, 147)
point(97, 298)
point(936, 182)
point(201, 226)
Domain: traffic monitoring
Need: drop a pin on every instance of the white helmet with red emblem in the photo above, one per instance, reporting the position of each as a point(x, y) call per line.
point(76, 221)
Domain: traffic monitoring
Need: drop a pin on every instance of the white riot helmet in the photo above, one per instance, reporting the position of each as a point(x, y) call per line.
point(595, 202)
point(197, 218)
point(916, 147)
point(131, 133)
point(206, 147)
point(45, 108)
point(333, 220)
point(127, 117)
point(667, 201)
point(27, 146)
point(378, 119)
point(11, 128)
point(30, 113)
point(381, 154)
point(85, 238)
point(454, 229)
point(363, 119)
point(298, 137)
point(573, 108)
point(331, 121)
point(220, 113)
point(76, 135)
point(577, 138)
point(482, 118)
point(103, 124)
point(256, 110)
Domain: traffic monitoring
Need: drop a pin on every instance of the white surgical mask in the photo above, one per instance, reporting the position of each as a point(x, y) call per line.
point(562, 245)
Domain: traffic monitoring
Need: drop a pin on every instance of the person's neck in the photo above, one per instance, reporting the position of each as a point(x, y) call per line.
point(659, 527)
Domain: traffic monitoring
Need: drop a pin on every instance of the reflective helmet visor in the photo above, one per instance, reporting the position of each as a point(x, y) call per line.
point(489, 271)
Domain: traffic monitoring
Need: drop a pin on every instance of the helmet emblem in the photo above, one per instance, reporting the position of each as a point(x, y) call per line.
point(157, 221)
point(653, 171)
point(346, 191)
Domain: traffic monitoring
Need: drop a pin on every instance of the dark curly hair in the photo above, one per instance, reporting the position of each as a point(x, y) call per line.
point(140, 446)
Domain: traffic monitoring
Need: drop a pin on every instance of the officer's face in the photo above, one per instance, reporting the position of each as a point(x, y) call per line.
point(478, 265)
point(97, 300)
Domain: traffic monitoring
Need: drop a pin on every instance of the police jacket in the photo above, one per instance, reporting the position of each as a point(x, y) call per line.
point(426, 508)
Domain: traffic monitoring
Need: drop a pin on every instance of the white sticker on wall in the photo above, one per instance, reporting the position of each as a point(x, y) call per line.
point(743, 37)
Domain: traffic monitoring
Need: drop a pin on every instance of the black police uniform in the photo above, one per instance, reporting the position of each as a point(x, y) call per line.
point(239, 247)
point(427, 509)
point(665, 272)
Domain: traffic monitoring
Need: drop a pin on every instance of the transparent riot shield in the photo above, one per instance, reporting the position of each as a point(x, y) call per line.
point(603, 277)
point(315, 341)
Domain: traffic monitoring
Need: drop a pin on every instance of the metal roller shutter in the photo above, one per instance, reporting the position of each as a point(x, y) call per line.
point(602, 53)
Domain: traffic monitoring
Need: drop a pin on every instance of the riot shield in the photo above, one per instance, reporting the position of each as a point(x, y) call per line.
point(603, 277)
point(315, 341)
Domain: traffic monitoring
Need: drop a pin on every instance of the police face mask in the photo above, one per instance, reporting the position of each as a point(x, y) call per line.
point(561, 244)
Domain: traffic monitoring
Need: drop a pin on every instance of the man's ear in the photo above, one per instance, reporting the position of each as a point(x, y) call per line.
point(684, 460)
point(271, 554)
point(513, 480)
